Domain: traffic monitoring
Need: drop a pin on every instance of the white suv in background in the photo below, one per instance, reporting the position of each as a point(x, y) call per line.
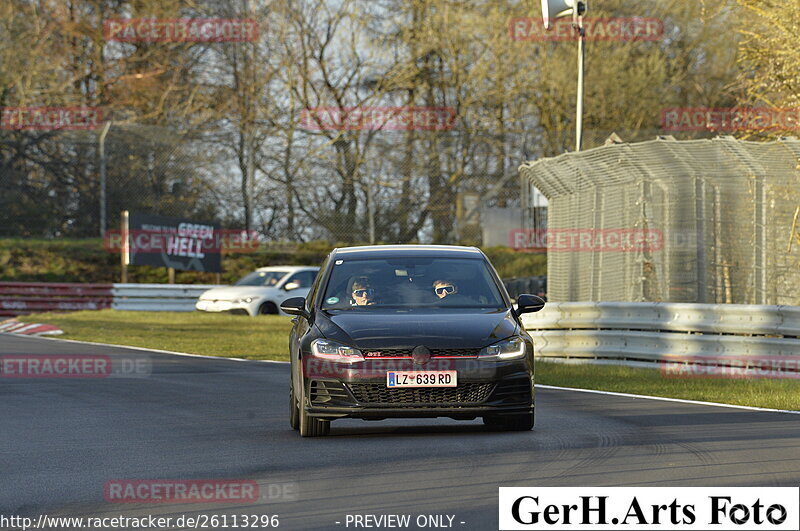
point(260, 292)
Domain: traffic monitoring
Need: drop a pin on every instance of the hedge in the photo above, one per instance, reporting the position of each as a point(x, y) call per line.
point(85, 260)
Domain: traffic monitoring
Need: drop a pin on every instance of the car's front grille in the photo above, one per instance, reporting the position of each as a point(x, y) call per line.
point(435, 352)
point(378, 393)
point(455, 351)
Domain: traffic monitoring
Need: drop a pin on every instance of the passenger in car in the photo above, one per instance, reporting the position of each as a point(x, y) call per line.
point(362, 292)
point(444, 288)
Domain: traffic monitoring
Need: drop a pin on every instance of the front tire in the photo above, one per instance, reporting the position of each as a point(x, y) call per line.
point(311, 426)
point(294, 410)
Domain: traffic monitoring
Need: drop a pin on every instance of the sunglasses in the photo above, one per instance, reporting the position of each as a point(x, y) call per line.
point(444, 289)
point(369, 292)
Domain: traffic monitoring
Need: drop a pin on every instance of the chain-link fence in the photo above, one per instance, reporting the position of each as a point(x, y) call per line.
point(707, 221)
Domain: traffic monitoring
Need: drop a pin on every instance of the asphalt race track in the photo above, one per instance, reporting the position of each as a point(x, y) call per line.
point(196, 418)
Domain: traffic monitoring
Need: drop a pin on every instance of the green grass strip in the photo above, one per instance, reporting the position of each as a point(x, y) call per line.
point(265, 337)
point(759, 392)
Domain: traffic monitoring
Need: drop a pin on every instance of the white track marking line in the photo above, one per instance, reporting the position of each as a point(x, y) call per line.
point(666, 399)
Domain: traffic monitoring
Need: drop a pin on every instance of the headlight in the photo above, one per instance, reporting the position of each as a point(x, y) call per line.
point(246, 300)
point(505, 350)
point(331, 350)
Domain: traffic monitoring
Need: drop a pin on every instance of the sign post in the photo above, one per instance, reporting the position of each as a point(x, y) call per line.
point(126, 246)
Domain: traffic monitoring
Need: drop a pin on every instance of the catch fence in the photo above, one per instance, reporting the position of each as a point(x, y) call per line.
point(718, 221)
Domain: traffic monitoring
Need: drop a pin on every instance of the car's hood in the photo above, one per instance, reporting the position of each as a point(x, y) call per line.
point(229, 293)
point(451, 328)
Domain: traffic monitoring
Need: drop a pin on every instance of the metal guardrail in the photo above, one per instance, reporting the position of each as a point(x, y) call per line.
point(21, 298)
point(622, 332)
point(157, 297)
point(706, 334)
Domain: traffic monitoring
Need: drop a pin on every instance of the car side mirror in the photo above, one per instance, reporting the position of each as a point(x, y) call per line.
point(295, 306)
point(289, 286)
point(529, 304)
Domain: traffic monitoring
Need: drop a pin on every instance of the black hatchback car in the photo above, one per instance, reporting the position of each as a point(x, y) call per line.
point(409, 331)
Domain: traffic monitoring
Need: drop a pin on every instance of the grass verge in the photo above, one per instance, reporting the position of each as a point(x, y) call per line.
point(777, 393)
point(266, 337)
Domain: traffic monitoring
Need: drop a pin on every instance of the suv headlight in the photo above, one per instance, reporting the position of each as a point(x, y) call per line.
point(331, 350)
point(508, 349)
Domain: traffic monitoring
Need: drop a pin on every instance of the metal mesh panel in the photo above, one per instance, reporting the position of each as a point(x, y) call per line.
point(724, 210)
point(378, 393)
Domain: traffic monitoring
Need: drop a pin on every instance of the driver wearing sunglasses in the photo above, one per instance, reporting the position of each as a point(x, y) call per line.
point(444, 288)
point(362, 294)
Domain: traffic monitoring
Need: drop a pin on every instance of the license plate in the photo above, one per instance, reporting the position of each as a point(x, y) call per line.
point(421, 379)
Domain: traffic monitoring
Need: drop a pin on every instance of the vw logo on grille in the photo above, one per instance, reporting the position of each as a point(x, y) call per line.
point(421, 355)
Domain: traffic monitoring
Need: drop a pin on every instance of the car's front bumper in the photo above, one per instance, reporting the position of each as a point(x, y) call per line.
point(223, 306)
point(360, 391)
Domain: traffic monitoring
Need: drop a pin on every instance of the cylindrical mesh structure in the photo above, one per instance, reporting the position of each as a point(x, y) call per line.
point(722, 213)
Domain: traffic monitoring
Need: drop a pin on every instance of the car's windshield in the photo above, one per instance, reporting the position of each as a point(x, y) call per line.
point(261, 278)
point(411, 283)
